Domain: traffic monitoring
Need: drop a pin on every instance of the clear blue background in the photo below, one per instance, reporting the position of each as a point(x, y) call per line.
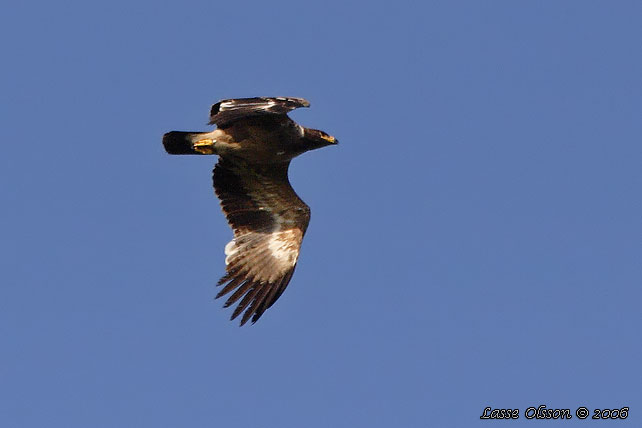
point(476, 238)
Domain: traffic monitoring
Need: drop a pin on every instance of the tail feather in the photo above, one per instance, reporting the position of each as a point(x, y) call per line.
point(182, 143)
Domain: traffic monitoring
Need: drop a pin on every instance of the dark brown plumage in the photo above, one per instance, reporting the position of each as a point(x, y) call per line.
point(255, 141)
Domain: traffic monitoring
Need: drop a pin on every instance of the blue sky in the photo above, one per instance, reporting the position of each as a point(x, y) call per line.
point(475, 239)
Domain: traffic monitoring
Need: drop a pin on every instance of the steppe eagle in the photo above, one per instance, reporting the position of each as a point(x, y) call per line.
point(255, 141)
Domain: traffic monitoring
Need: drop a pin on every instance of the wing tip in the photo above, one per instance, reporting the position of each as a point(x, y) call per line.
point(256, 296)
point(290, 103)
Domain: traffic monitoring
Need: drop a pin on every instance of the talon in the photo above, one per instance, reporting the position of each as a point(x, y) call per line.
point(205, 146)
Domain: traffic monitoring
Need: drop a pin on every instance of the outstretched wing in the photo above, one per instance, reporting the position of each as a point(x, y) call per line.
point(225, 112)
point(269, 221)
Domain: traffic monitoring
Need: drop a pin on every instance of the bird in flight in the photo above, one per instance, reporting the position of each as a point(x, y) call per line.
point(255, 141)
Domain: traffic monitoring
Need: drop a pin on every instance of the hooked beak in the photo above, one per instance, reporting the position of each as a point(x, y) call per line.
point(330, 139)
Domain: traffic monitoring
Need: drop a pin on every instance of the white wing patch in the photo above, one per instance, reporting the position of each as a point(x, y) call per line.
point(236, 104)
point(284, 246)
point(230, 250)
point(267, 255)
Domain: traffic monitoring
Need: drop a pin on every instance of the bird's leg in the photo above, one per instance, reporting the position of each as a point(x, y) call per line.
point(205, 146)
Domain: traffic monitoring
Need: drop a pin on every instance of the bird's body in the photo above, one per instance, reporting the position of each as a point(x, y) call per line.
point(255, 141)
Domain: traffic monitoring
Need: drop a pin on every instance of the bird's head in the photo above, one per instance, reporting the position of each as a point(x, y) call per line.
point(315, 139)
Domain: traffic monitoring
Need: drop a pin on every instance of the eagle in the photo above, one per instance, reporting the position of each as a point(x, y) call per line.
point(255, 141)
